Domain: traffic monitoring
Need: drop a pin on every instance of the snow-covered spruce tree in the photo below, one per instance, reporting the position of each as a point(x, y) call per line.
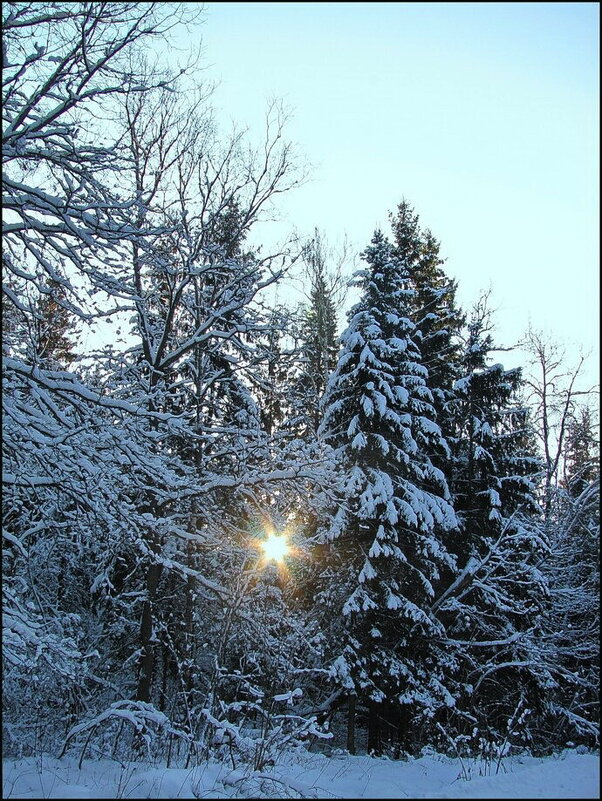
point(318, 335)
point(279, 354)
point(496, 467)
point(395, 512)
point(582, 451)
point(315, 326)
point(493, 610)
point(433, 308)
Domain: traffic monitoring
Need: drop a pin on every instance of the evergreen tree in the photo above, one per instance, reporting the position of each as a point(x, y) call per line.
point(37, 330)
point(379, 418)
point(433, 307)
point(271, 378)
point(493, 609)
point(494, 454)
point(319, 348)
point(52, 324)
point(582, 452)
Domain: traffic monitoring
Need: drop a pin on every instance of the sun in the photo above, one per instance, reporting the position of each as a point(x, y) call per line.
point(275, 547)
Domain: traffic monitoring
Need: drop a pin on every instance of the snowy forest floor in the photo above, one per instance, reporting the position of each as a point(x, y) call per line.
point(307, 775)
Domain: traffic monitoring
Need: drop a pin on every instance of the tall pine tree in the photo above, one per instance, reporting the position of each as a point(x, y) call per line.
point(433, 308)
point(379, 418)
point(318, 334)
point(493, 609)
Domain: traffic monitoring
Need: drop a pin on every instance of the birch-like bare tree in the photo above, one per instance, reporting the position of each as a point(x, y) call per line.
point(555, 389)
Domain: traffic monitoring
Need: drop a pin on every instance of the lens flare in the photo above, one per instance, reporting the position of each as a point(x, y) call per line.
point(275, 547)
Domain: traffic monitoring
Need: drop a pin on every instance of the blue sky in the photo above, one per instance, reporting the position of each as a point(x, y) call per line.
point(484, 116)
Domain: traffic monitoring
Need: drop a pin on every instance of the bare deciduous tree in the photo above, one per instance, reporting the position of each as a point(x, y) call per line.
point(555, 389)
point(63, 66)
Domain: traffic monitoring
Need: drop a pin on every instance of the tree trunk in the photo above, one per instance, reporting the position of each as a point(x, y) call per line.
point(403, 730)
point(351, 725)
point(163, 696)
point(147, 661)
point(374, 741)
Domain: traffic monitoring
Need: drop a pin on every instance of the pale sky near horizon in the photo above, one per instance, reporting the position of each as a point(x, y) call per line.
point(485, 116)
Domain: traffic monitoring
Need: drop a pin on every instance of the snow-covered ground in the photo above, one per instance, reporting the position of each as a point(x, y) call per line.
point(570, 775)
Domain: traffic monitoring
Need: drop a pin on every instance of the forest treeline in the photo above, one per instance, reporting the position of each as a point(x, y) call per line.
point(442, 583)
